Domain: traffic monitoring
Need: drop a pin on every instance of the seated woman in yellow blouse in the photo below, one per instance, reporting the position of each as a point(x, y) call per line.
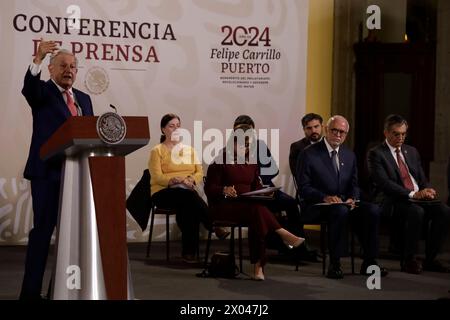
point(175, 172)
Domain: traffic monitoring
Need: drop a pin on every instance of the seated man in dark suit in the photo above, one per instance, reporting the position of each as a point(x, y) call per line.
point(396, 170)
point(312, 127)
point(327, 174)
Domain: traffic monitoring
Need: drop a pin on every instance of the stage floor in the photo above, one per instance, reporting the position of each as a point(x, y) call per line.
point(157, 279)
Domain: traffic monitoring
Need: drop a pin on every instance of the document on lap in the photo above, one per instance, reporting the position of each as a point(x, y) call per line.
point(336, 203)
point(261, 192)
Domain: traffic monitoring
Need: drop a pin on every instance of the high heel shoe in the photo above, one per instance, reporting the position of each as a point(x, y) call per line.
point(259, 276)
point(296, 244)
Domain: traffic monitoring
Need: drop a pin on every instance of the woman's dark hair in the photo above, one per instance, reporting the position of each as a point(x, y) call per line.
point(236, 138)
point(164, 121)
point(244, 119)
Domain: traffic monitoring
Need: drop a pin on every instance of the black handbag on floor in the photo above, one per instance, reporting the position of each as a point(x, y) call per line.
point(223, 265)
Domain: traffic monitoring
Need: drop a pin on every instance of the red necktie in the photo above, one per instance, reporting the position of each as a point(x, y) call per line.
point(407, 182)
point(71, 104)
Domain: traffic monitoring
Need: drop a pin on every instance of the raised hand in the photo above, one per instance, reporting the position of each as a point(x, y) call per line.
point(45, 47)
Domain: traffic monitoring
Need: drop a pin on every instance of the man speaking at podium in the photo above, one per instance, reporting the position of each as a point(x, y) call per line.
point(52, 102)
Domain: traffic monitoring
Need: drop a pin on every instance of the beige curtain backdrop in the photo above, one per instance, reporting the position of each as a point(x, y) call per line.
point(181, 77)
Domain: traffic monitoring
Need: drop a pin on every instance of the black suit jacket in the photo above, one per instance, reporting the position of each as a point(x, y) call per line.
point(317, 179)
point(139, 202)
point(295, 150)
point(49, 111)
point(448, 181)
point(385, 174)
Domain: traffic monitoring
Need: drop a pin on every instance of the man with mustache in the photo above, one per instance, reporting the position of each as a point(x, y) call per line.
point(327, 174)
point(52, 102)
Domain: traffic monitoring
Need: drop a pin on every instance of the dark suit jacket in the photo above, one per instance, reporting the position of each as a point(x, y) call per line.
point(317, 179)
point(49, 112)
point(448, 181)
point(296, 148)
point(385, 174)
point(139, 202)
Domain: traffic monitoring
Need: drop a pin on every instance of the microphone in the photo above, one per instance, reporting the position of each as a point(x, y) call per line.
point(111, 106)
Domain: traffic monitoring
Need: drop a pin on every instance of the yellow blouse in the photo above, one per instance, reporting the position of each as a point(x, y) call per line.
point(165, 164)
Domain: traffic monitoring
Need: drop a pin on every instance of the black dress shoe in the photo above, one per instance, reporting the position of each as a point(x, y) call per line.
point(412, 266)
point(335, 271)
point(190, 258)
point(366, 264)
point(435, 266)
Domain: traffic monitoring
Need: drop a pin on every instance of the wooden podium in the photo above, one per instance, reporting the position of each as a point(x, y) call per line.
point(91, 245)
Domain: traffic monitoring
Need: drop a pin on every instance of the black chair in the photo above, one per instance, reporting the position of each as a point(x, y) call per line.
point(232, 226)
point(167, 213)
point(323, 246)
point(323, 240)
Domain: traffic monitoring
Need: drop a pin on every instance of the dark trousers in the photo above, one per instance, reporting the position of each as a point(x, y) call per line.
point(190, 210)
point(365, 221)
point(45, 197)
point(414, 221)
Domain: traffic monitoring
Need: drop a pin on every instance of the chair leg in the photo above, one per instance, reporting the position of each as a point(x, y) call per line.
point(152, 220)
point(208, 244)
point(352, 250)
point(167, 238)
point(232, 242)
point(323, 238)
point(240, 249)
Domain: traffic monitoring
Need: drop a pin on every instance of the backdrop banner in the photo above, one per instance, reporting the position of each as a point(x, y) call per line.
point(207, 61)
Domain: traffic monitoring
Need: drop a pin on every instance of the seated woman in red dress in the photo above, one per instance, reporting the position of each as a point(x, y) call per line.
point(230, 175)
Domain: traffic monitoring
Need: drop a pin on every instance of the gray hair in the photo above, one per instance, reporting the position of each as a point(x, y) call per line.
point(337, 118)
point(63, 51)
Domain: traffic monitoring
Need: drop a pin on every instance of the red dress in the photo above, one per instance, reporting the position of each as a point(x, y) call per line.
point(244, 178)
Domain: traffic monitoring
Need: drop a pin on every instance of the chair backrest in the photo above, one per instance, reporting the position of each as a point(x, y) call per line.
point(297, 196)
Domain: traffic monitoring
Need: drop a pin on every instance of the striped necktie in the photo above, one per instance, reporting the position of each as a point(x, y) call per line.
point(404, 174)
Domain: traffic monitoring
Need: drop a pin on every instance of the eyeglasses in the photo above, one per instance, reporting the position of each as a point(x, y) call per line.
point(399, 134)
point(337, 132)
